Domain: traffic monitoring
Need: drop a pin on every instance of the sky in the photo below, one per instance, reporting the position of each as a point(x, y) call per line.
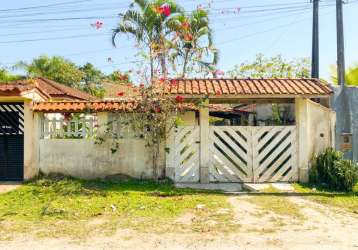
point(242, 29)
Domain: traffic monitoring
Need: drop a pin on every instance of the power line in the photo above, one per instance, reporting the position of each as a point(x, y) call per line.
point(44, 6)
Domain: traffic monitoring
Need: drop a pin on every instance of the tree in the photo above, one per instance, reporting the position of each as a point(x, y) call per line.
point(6, 76)
point(54, 68)
point(351, 75)
point(193, 41)
point(119, 77)
point(275, 66)
point(92, 80)
point(147, 21)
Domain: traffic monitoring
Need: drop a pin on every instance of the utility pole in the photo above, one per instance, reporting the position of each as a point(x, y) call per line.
point(340, 44)
point(315, 40)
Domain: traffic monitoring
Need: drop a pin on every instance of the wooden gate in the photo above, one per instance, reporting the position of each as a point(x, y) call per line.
point(237, 154)
point(186, 153)
point(253, 154)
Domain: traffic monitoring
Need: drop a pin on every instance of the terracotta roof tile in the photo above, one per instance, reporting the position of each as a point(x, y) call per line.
point(97, 106)
point(48, 87)
point(247, 87)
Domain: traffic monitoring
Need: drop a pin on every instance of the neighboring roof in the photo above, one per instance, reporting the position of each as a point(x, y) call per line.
point(249, 87)
point(95, 106)
point(112, 89)
point(12, 89)
point(51, 89)
point(124, 105)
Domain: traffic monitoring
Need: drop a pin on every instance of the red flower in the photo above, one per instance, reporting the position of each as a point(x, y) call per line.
point(158, 110)
point(185, 25)
point(165, 9)
point(141, 85)
point(179, 98)
point(218, 92)
point(188, 37)
point(174, 82)
point(162, 78)
point(120, 94)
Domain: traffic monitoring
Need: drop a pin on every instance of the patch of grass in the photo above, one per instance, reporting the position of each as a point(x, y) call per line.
point(56, 207)
point(268, 201)
point(347, 201)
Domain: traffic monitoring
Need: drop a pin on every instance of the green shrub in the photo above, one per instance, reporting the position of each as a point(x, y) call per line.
point(331, 170)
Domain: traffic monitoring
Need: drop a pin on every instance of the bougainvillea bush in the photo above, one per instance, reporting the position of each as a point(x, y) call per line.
point(154, 116)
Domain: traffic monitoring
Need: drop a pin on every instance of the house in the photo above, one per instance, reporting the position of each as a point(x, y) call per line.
point(42, 89)
point(16, 120)
point(212, 144)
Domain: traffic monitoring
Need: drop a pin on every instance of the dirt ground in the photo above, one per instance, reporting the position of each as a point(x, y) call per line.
point(8, 186)
point(320, 227)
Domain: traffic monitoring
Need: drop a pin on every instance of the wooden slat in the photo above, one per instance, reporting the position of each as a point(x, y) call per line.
point(240, 176)
point(229, 141)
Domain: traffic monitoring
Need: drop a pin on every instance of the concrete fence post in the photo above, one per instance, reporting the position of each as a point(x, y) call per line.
point(302, 122)
point(204, 142)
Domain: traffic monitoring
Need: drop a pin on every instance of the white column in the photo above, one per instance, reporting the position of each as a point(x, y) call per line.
point(32, 134)
point(303, 138)
point(204, 142)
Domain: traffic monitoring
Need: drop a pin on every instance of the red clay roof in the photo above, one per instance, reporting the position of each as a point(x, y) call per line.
point(48, 87)
point(248, 87)
point(96, 106)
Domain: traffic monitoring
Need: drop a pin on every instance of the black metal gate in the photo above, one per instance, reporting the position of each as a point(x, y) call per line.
point(11, 141)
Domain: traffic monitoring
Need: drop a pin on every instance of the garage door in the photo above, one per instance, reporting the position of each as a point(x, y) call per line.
point(11, 141)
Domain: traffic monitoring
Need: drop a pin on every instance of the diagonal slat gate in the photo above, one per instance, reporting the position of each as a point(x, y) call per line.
point(186, 153)
point(253, 154)
point(230, 151)
point(237, 154)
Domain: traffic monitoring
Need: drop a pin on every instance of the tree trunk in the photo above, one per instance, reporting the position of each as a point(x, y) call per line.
point(156, 149)
point(151, 65)
point(185, 63)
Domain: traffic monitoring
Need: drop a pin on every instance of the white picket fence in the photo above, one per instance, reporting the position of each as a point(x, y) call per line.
point(238, 154)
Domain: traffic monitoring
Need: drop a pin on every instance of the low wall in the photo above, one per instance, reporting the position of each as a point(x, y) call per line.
point(316, 132)
point(84, 159)
point(321, 128)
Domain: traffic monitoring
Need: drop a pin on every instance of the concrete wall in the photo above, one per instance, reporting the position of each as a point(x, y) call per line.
point(346, 107)
point(84, 159)
point(316, 132)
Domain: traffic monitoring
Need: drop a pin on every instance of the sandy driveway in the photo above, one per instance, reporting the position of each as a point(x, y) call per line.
point(6, 186)
point(320, 227)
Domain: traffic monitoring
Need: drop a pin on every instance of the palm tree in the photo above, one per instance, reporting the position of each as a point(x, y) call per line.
point(351, 75)
point(193, 41)
point(148, 26)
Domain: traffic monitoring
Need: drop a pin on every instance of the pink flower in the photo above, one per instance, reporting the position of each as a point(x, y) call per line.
point(219, 72)
point(141, 85)
point(179, 99)
point(165, 9)
point(98, 24)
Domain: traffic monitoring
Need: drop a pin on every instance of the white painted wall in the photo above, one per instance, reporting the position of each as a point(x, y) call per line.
point(84, 159)
point(316, 128)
